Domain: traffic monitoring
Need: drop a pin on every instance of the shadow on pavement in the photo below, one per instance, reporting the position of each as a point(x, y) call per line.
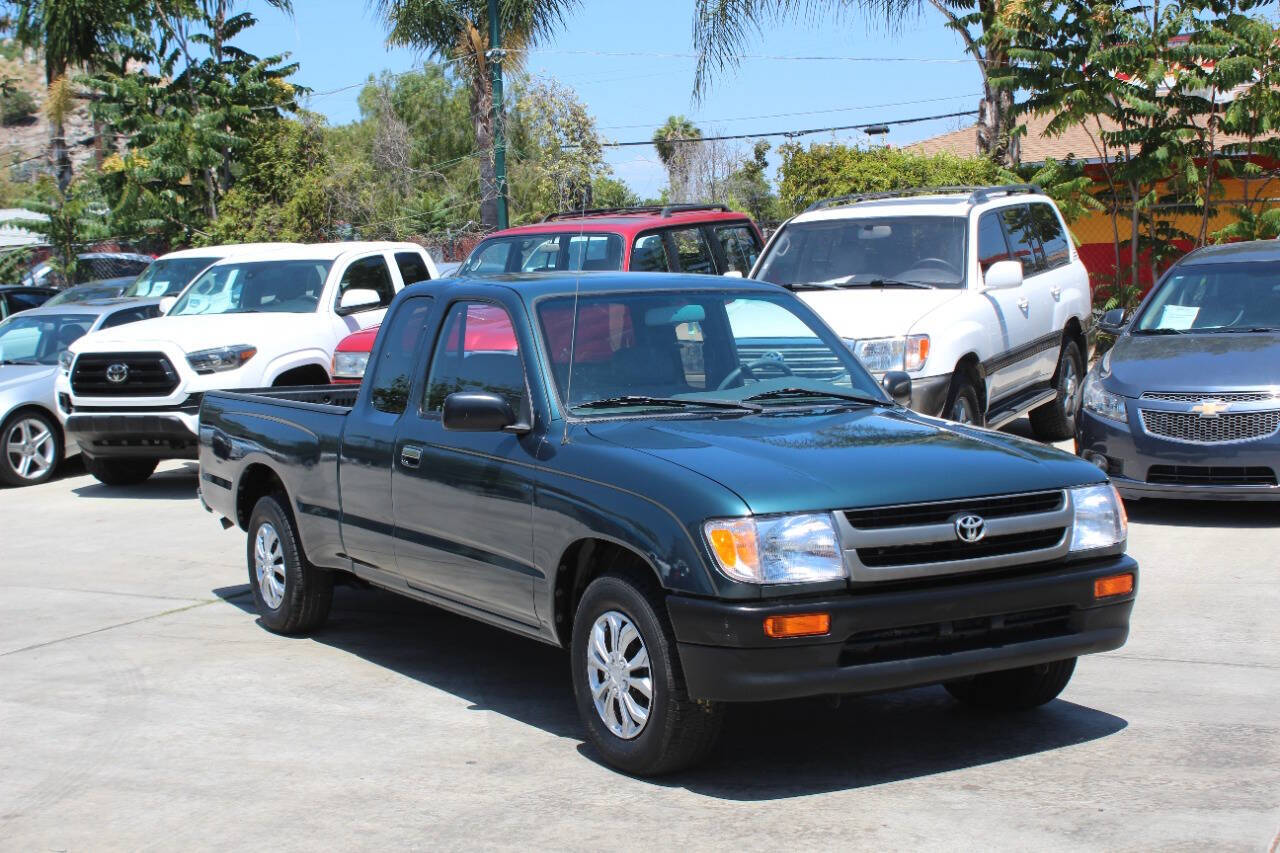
point(768, 750)
point(169, 485)
point(1238, 514)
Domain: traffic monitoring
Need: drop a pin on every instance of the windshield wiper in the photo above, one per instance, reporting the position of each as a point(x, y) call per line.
point(21, 361)
point(891, 282)
point(627, 400)
point(1245, 329)
point(1160, 331)
point(810, 393)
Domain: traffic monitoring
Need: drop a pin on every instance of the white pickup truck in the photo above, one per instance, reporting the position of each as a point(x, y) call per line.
point(976, 292)
point(266, 317)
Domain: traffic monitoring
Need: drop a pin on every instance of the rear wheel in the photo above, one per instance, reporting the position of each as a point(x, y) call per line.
point(962, 402)
point(1056, 421)
point(120, 472)
point(1014, 689)
point(628, 682)
point(292, 596)
point(31, 444)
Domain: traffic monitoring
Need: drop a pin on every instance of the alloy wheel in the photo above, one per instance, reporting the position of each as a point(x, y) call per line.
point(31, 449)
point(1069, 387)
point(618, 674)
point(960, 411)
point(268, 563)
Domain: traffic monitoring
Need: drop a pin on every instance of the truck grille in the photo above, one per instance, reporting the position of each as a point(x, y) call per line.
point(915, 540)
point(1218, 475)
point(812, 362)
point(1197, 396)
point(146, 374)
point(959, 635)
point(1191, 428)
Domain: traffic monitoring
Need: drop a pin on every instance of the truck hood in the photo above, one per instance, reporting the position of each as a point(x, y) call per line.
point(791, 462)
point(874, 312)
point(199, 332)
point(1196, 362)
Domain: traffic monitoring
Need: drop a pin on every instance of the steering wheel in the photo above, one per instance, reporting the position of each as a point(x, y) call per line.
point(749, 368)
point(935, 262)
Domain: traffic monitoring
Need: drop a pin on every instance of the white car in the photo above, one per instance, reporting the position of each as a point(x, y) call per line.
point(977, 293)
point(267, 317)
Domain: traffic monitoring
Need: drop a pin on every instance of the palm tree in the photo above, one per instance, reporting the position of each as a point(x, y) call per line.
point(458, 30)
point(723, 28)
point(676, 153)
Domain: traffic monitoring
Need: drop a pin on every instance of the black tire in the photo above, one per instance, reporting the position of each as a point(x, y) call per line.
point(17, 428)
point(679, 731)
point(1014, 689)
point(307, 590)
point(1056, 421)
point(963, 393)
point(120, 472)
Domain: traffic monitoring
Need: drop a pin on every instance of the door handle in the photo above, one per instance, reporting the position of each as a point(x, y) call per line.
point(1023, 303)
point(1056, 293)
point(410, 456)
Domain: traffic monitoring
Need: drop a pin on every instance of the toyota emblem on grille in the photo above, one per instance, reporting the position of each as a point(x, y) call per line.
point(970, 528)
point(117, 373)
point(1210, 408)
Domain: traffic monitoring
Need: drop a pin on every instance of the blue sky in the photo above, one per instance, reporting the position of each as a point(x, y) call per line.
point(338, 43)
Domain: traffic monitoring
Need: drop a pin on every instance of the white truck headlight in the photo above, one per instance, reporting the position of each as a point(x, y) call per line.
point(350, 365)
point(1101, 402)
point(880, 355)
point(66, 358)
point(220, 359)
point(1100, 520)
point(776, 549)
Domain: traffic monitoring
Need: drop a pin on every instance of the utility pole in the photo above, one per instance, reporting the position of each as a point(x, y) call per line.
point(496, 55)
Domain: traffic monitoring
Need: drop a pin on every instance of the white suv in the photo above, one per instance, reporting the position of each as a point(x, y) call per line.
point(977, 293)
point(266, 317)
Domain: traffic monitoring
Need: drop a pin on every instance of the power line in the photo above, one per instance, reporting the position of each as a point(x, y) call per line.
point(770, 57)
point(803, 113)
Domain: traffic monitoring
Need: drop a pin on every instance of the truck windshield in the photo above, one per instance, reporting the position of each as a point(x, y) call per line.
point(1204, 298)
point(890, 251)
point(38, 339)
point(545, 253)
point(664, 351)
point(167, 277)
point(289, 287)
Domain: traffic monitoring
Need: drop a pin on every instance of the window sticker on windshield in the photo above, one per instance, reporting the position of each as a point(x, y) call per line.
point(1178, 316)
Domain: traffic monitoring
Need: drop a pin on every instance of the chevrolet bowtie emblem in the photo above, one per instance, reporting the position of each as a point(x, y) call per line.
point(1210, 408)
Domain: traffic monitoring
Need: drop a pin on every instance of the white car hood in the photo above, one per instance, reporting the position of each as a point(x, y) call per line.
point(16, 377)
point(876, 312)
point(191, 333)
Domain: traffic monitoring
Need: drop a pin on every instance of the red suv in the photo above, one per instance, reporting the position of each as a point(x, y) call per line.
point(689, 238)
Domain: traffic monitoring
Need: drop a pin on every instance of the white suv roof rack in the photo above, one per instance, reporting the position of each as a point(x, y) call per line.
point(977, 195)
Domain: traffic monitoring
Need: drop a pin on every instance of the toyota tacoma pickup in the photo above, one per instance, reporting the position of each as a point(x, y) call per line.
point(602, 469)
point(263, 316)
point(977, 292)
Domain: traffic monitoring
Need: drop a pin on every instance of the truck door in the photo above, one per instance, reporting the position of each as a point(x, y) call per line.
point(368, 441)
point(463, 501)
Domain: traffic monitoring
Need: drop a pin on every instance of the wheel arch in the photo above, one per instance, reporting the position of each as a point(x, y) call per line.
point(256, 482)
point(581, 562)
point(311, 373)
point(970, 366)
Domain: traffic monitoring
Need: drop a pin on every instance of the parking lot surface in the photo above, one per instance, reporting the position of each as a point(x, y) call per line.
point(143, 707)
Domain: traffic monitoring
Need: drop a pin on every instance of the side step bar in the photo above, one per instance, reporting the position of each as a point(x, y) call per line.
point(1011, 409)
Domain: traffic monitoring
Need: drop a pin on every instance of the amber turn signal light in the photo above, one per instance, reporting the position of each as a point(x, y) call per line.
point(797, 625)
point(1113, 585)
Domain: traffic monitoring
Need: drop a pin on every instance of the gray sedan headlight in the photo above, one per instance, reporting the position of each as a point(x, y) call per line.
point(350, 365)
point(220, 359)
point(776, 549)
point(1101, 402)
point(1100, 520)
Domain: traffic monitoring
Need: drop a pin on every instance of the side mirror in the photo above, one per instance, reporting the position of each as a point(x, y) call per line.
point(733, 274)
point(358, 299)
point(1112, 322)
point(480, 411)
point(1003, 275)
point(897, 384)
point(166, 303)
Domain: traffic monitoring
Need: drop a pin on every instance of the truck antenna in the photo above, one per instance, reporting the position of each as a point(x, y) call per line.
point(573, 328)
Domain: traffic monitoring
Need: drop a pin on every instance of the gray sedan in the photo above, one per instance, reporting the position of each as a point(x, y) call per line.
point(32, 442)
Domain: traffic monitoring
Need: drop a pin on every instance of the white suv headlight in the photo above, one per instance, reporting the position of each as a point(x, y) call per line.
point(350, 365)
point(1100, 520)
point(1101, 402)
point(880, 355)
point(777, 549)
point(221, 358)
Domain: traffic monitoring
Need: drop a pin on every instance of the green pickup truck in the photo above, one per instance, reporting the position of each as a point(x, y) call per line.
point(692, 485)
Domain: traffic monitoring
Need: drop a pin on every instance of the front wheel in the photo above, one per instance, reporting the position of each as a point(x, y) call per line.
point(1056, 421)
point(120, 472)
point(292, 596)
point(32, 447)
point(1014, 689)
point(628, 682)
point(962, 403)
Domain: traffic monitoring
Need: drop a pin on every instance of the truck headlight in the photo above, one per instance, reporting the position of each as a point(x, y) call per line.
point(220, 359)
point(350, 365)
point(776, 549)
point(1100, 520)
point(880, 355)
point(66, 358)
point(1101, 402)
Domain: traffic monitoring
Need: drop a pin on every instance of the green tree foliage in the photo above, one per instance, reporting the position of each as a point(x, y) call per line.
point(677, 154)
point(748, 188)
point(16, 107)
point(77, 218)
point(558, 153)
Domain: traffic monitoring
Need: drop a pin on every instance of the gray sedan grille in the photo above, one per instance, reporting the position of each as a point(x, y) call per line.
point(1191, 428)
point(1198, 396)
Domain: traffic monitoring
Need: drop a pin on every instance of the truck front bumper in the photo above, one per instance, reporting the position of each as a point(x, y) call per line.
point(154, 435)
point(904, 637)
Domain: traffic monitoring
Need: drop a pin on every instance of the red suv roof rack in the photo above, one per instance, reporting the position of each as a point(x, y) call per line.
point(662, 210)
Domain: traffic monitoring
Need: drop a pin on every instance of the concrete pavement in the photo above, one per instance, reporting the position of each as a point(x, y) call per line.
point(142, 707)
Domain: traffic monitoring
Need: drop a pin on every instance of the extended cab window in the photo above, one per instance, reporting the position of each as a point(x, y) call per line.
point(740, 245)
point(992, 247)
point(392, 374)
point(1052, 237)
point(368, 274)
point(476, 351)
point(649, 254)
point(692, 251)
point(1022, 238)
point(412, 268)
